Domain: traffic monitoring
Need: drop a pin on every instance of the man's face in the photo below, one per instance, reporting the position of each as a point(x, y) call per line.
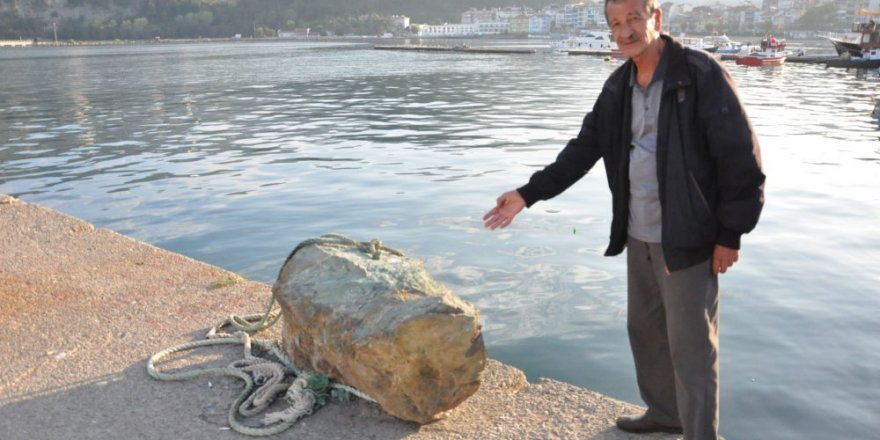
point(632, 27)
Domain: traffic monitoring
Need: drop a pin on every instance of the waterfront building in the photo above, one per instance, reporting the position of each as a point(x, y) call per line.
point(519, 25)
point(493, 28)
point(474, 15)
point(540, 24)
point(400, 21)
point(294, 33)
point(448, 30)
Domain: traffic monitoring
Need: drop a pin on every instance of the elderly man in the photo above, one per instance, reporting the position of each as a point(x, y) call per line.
point(684, 169)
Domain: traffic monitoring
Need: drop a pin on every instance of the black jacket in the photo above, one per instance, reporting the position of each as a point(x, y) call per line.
point(711, 185)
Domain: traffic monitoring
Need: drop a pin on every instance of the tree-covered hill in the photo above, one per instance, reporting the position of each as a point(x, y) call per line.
point(139, 19)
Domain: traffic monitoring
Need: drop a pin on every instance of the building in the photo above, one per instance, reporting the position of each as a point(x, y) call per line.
point(540, 24)
point(295, 33)
point(474, 15)
point(741, 19)
point(400, 21)
point(493, 28)
point(519, 25)
point(449, 30)
point(587, 15)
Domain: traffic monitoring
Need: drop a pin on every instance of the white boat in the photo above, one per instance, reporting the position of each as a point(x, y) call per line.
point(723, 44)
point(599, 41)
point(696, 43)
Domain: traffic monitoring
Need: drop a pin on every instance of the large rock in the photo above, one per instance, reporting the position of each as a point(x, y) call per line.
point(374, 319)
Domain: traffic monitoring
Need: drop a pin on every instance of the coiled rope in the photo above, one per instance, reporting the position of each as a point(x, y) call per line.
point(308, 390)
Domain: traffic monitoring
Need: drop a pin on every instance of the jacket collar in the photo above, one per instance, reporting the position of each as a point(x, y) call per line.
point(677, 72)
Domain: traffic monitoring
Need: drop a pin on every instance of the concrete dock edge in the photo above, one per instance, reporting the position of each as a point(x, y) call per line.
point(84, 307)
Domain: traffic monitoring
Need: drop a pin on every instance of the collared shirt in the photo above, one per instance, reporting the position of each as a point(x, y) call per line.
point(644, 201)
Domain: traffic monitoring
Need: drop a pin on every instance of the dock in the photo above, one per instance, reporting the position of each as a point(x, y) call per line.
point(464, 49)
point(802, 59)
point(84, 308)
point(598, 53)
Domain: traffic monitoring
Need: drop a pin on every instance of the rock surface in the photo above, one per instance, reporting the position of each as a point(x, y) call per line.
point(376, 320)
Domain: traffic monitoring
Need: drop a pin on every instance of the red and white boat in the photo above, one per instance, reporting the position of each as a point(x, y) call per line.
point(772, 53)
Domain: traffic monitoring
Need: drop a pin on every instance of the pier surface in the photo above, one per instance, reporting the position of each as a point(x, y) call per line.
point(84, 308)
point(465, 49)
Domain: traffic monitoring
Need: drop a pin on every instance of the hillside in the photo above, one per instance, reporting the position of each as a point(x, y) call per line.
point(134, 19)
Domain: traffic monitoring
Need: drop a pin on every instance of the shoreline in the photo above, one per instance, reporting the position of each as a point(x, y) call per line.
point(87, 306)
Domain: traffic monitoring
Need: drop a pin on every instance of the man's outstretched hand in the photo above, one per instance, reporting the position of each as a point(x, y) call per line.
point(507, 206)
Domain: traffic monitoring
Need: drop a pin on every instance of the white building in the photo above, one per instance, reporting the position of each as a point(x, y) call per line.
point(400, 21)
point(474, 15)
point(493, 28)
point(448, 30)
point(462, 29)
point(294, 33)
point(540, 24)
point(584, 15)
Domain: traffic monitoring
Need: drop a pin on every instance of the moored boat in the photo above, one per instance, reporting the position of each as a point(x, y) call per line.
point(697, 43)
point(868, 44)
point(592, 41)
point(864, 36)
point(867, 55)
point(772, 53)
point(845, 44)
point(757, 59)
point(723, 44)
point(870, 59)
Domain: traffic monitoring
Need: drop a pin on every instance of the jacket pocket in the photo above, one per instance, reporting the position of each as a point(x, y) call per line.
point(688, 221)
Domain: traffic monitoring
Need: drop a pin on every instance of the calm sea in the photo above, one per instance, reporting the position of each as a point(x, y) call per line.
point(233, 153)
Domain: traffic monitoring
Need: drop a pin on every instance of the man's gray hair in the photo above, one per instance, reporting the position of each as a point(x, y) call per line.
point(650, 6)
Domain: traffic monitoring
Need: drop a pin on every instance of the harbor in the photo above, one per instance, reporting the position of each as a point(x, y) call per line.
point(231, 153)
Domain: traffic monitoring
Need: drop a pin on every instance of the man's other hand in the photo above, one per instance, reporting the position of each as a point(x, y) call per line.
point(723, 258)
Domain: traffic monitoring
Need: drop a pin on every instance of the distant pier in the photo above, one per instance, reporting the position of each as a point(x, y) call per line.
point(16, 43)
point(801, 59)
point(467, 49)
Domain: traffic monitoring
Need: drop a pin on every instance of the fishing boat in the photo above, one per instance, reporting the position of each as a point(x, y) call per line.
point(772, 53)
point(866, 53)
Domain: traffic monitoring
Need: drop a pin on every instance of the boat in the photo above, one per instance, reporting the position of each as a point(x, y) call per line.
point(696, 43)
point(869, 59)
point(867, 55)
point(845, 43)
point(723, 44)
point(772, 53)
point(592, 41)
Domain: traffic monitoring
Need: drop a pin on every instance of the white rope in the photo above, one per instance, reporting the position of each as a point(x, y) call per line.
point(264, 378)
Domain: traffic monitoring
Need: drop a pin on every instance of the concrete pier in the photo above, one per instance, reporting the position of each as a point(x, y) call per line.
point(465, 49)
point(83, 308)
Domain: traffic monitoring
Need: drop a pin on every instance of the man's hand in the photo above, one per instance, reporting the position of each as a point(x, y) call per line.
point(723, 258)
point(506, 208)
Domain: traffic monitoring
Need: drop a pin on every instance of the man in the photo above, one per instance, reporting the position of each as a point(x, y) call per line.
point(684, 169)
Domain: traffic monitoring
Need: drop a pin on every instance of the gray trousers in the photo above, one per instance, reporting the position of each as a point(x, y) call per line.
point(672, 320)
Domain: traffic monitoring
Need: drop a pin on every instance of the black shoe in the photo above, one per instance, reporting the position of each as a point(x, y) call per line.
point(643, 425)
